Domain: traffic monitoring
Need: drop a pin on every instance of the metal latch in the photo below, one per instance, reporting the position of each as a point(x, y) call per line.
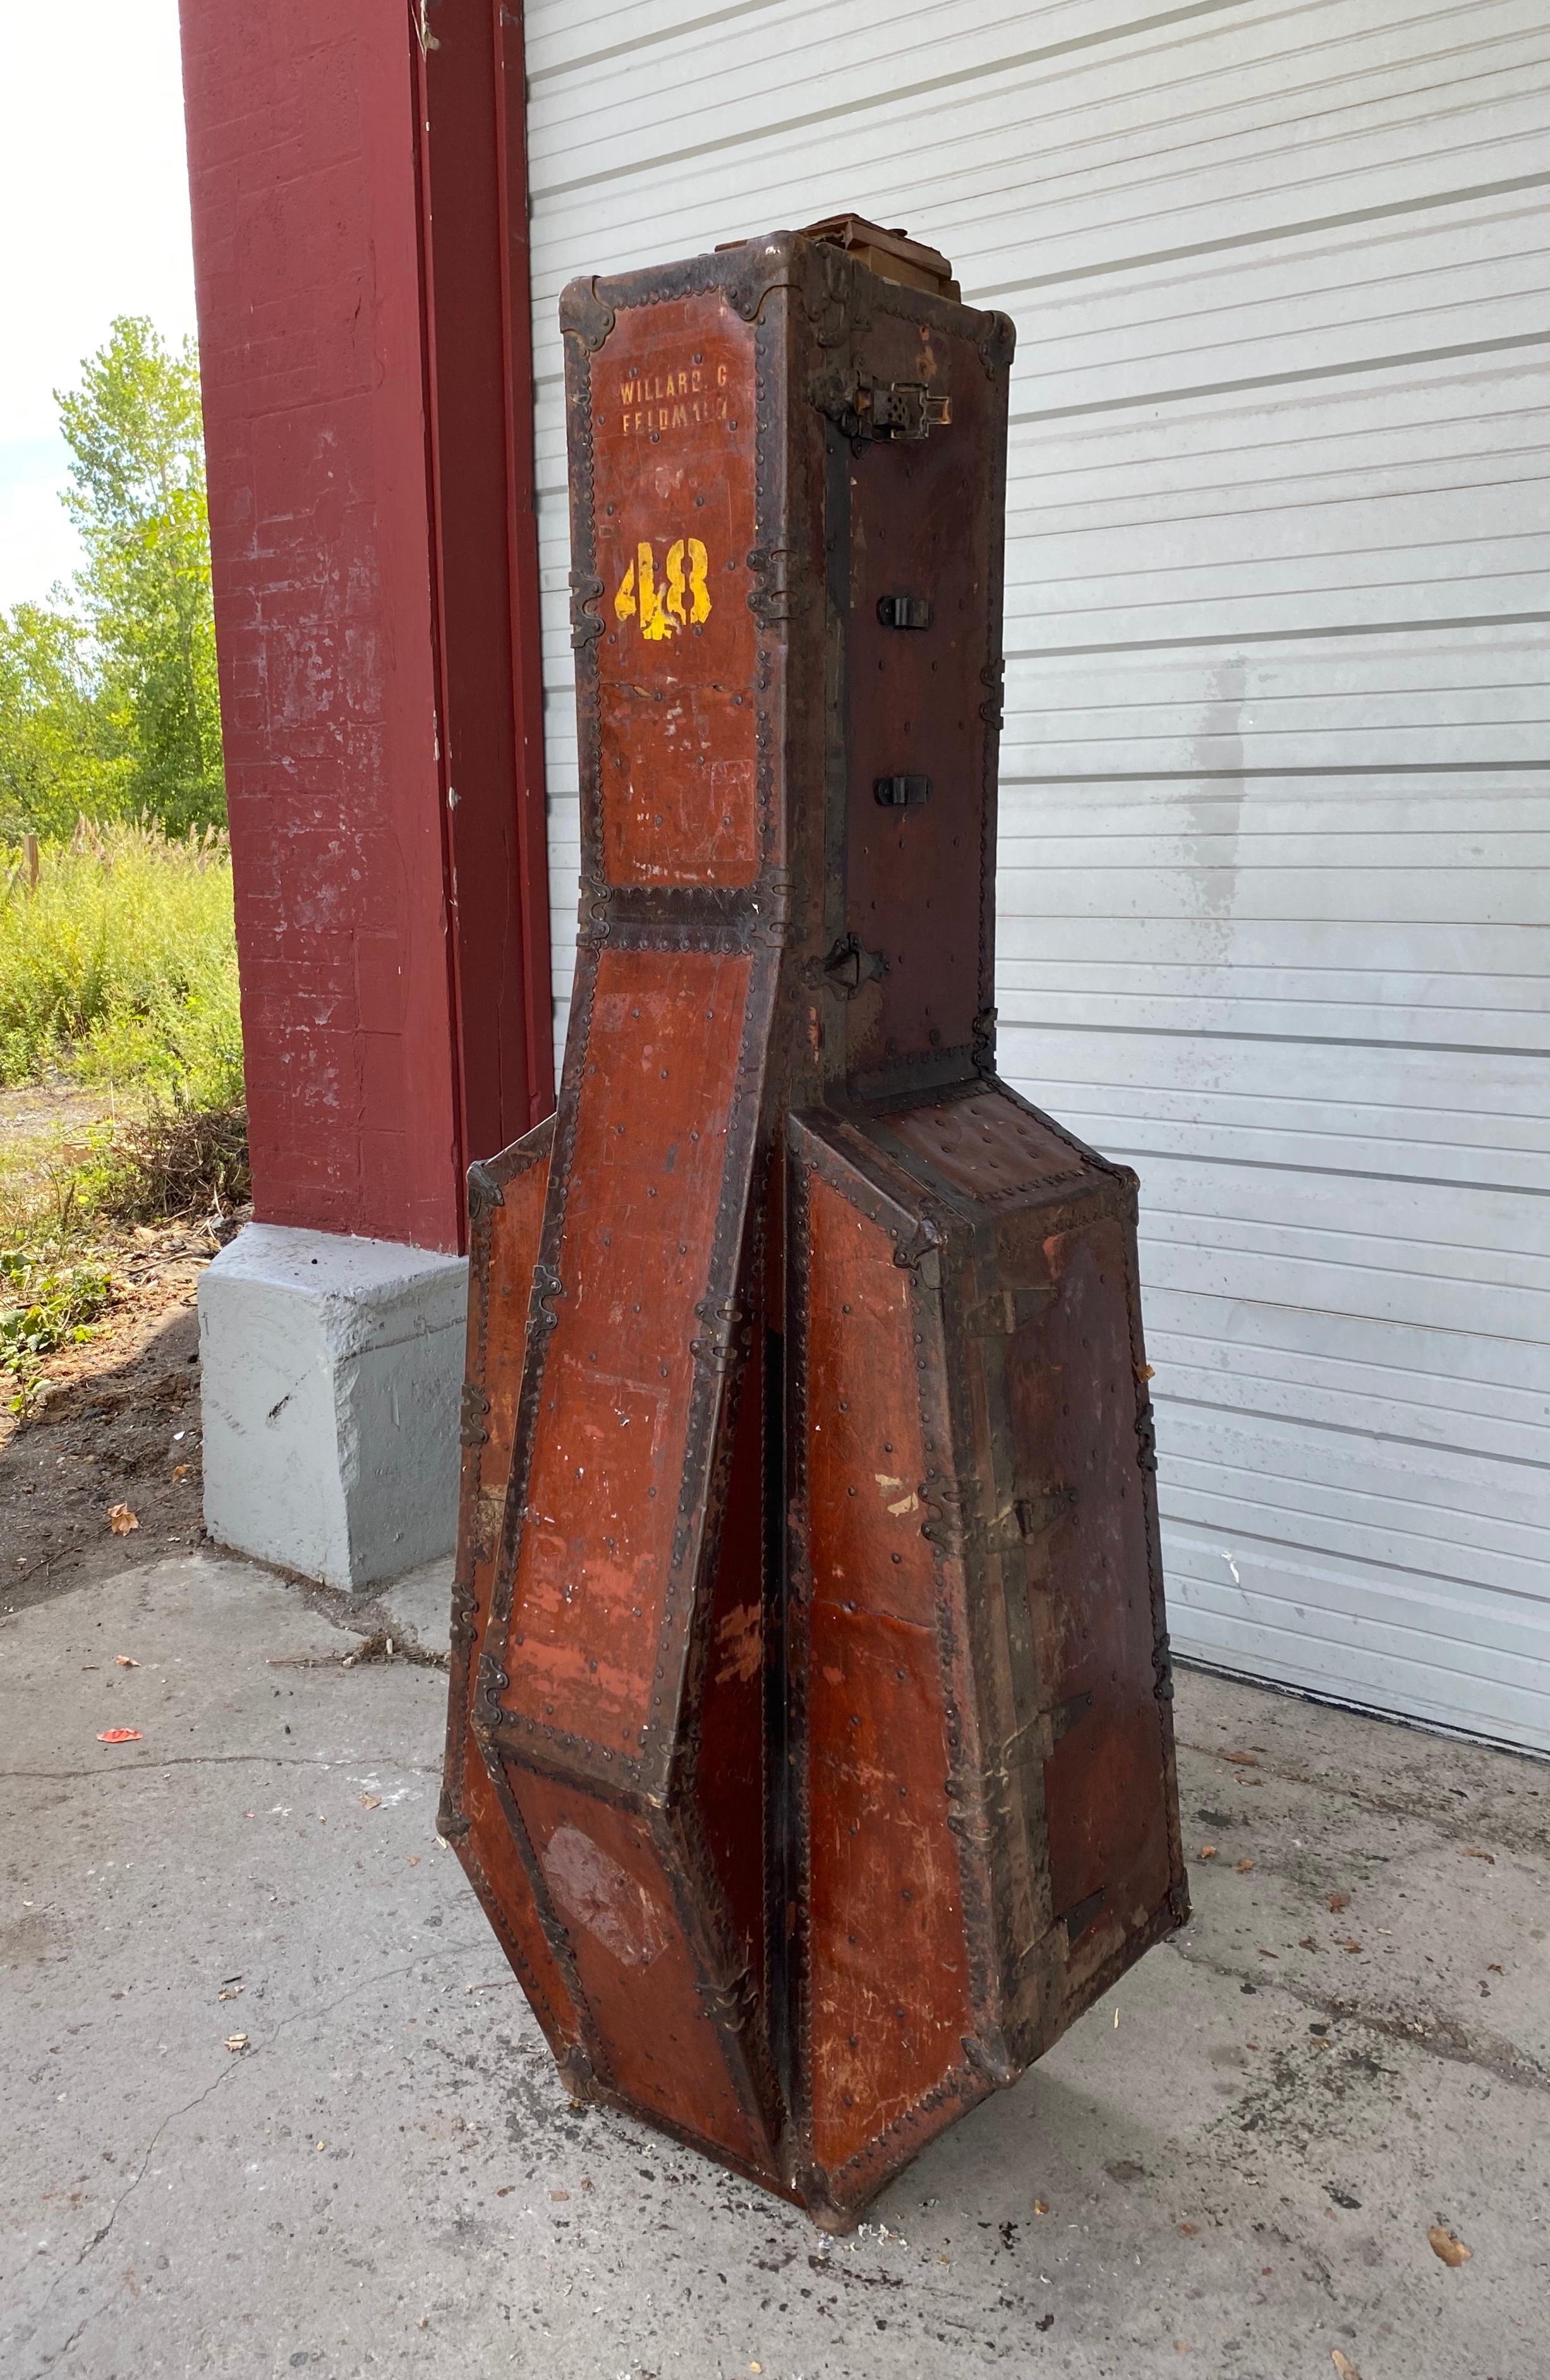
point(901, 793)
point(905, 611)
point(1039, 1512)
point(864, 407)
point(849, 967)
point(903, 409)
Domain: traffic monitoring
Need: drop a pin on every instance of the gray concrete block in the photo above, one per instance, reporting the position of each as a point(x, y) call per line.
point(419, 1608)
point(331, 1371)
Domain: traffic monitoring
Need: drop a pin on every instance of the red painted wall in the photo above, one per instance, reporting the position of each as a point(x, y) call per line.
point(385, 1045)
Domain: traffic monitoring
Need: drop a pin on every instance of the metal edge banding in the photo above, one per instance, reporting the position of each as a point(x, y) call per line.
point(698, 916)
point(1179, 1889)
point(555, 1932)
point(538, 1999)
point(706, 1922)
point(947, 1429)
point(865, 2176)
point(1125, 1955)
point(910, 1081)
point(944, 1432)
point(844, 2190)
point(771, 507)
point(992, 678)
point(723, 926)
point(1011, 1850)
point(632, 917)
point(755, 926)
point(452, 1821)
point(697, 1517)
point(548, 1284)
point(735, 2003)
point(1003, 1608)
point(778, 483)
point(914, 1190)
point(684, 1762)
point(796, 1927)
point(727, 2158)
point(555, 1764)
point(495, 1174)
point(494, 1679)
point(837, 567)
point(974, 1203)
point(724, 1982)
point(1123, 1174)
point(488, 1179)
point(478, 1724)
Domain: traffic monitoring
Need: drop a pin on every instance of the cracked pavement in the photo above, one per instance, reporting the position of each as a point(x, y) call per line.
point(1229, 2167)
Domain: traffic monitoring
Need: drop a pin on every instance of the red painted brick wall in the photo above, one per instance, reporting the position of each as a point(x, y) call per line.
point(307, 197)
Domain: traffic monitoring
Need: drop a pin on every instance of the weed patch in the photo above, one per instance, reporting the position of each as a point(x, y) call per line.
point(43, 1308)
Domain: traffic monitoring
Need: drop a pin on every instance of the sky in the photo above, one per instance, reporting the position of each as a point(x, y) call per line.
point(95, 190)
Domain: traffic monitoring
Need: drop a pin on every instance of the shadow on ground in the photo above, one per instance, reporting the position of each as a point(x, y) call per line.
point(122, 1428)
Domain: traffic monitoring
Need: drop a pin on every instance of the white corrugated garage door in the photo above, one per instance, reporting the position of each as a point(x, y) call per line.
point(1275, 802)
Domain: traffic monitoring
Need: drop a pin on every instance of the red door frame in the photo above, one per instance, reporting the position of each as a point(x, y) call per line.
point(471, 151)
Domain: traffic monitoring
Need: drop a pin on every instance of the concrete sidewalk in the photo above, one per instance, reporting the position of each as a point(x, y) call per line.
point(1229, 2168)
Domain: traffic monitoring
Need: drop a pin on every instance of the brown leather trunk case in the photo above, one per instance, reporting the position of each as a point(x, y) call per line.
point(809, 1743)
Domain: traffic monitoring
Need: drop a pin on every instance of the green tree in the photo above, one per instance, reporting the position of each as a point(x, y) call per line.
point(137, 497)
point(61, 751)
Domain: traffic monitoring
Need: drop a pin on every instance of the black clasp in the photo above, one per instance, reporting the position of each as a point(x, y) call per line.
point(905, 611)
point(901, 793)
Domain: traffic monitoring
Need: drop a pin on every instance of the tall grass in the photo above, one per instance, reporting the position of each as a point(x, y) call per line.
point(117, 974)
point(119, 965)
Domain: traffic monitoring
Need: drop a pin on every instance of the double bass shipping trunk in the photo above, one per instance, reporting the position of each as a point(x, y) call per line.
point(810, 1745)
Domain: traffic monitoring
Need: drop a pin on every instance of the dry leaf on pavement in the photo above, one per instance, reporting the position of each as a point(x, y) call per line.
point(1242, 1867)
point(1489, 1857)
point(370, 1800)
point(126, 1660)
point(1243, 1759)
point(1349, 1944)
point(1338, 1900)
point(1306, 1942)
point(236, 2041)
point(1207, 1851)
point(1447, 2245)
point(179, 1471)
point(121, 1520)
point(1343, 2365)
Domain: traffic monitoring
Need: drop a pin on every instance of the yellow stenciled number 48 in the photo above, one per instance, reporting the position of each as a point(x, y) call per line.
point(683, 598)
